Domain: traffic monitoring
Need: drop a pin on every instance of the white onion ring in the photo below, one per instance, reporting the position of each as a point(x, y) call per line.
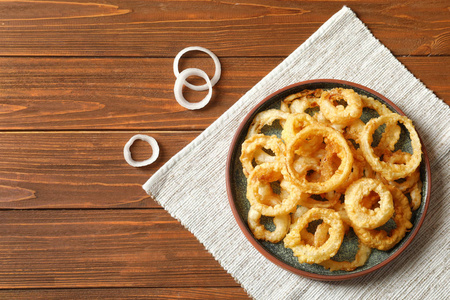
point(216, 76)
point(178, 88)
point(153, 145)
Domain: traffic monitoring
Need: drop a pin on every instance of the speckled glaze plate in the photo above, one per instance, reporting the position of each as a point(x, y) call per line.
point(277, 253)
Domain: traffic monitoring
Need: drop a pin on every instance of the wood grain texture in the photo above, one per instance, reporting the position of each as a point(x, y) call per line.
point(137, 93)
point(230, 28)
point(217, 293)
point(103, 248)
point(80, 77)
point(79, 169)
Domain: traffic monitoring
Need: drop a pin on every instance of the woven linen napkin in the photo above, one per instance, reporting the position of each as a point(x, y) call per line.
point(191, 186)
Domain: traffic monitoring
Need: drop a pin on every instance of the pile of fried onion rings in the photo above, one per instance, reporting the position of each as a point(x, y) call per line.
point(328, 173)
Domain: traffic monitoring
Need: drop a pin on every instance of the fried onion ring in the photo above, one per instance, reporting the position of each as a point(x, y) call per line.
point(266, 117)
point(353, 131)
point(340, 114)
point(281, 223)
point(321, 234)
point(406, 185)
point(261, 177)
point(359, 214)
point(391, 171)
point(379, 238)
point(253, 146)
point(331, 198)
point(416, 195)
point(294, 124)
point(360, 259)
point(310, 254)
point(389, 137)
point(299, 102)
point(375, 105)
point(331, 136)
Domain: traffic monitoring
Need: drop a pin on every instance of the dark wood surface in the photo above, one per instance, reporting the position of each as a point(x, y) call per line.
point(79, 78)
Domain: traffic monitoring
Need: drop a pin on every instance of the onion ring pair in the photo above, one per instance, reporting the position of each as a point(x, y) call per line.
point(181, 79)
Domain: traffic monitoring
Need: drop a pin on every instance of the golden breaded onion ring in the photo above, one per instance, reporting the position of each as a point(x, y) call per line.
point(362, 216)
point(416, 195)
point(307, 236)
point(266, 117)
point(391, 171)
point(382, 240)
point(321, 234)
point(360, 259)
point(294, 124)
point(331, 199)
point(281, 223)
point(251, 147)
point(353, 130)
point(300, 101)
point(361, 256)
point(356, 173)
point(392, 132)
point(389, 137)
point(407, 183)
point(261, 177)
point(340, 114)
point(310, 254)
point(376, 105)
point(331, 136)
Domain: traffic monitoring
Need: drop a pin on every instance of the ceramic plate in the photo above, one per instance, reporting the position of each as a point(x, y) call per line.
point(277, 253)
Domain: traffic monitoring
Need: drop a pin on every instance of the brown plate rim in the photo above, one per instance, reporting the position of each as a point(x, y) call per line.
point(267, 254)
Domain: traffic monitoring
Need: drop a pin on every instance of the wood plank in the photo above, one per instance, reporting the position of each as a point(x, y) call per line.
point(79, 169)
point(103, 248)
point(137, 93)
point(438, 80)
point(110, 93)
point(230, 28)
point(219, 293)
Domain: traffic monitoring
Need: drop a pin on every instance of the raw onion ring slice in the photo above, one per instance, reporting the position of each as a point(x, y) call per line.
point(213, 80)
point(178, 89)
point(153, 145)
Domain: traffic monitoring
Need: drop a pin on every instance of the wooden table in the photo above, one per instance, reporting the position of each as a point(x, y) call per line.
point(78, 79)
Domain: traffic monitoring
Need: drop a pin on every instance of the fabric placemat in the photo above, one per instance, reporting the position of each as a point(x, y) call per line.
point(191, 185)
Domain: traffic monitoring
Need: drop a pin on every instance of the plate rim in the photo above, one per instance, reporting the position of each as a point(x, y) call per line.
point(271, 257)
